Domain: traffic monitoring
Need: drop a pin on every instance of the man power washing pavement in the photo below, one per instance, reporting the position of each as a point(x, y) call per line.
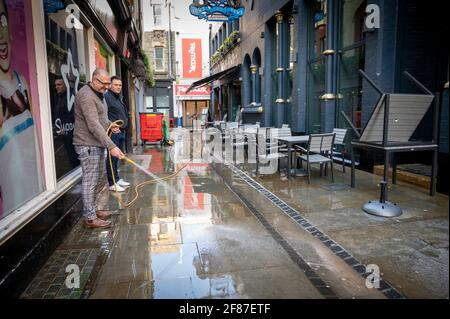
point(117, 111)
point(90, 140)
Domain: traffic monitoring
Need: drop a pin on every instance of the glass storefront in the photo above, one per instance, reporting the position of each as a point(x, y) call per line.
point(316, 67)
point(316, 89)
point(21, 173)
point(350, 53)
point(351, 59)
point(67, 73)
point(289, 116)
point(350, 86)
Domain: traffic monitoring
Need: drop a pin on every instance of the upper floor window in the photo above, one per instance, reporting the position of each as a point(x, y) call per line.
point(159, 59)
point(157, 14)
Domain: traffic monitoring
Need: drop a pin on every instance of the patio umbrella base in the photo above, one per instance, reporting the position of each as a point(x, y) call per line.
point(386, 209)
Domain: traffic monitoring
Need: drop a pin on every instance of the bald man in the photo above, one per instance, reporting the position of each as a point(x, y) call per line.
point(90, 140)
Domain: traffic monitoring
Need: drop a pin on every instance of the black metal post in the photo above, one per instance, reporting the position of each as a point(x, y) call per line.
point(386, 120)
point(394, 168)
point(434, 165)
point(386, 173)
point(383, 186)
point(352, 150)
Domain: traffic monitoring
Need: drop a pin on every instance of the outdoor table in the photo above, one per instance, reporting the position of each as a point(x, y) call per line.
point(290, 141)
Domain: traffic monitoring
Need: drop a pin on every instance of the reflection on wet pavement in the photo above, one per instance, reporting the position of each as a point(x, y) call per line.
point(191, 237)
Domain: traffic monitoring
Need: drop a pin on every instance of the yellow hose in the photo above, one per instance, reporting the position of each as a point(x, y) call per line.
point(126, 205)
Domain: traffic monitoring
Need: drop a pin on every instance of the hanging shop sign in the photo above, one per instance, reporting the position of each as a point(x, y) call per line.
point(192, 58)
point(217, 10)
point(52, 6)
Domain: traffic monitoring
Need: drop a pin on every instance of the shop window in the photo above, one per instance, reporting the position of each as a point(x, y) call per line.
point(236, 25)
point(166, 112)
point(159, 59)
point(256, 78)
point(102, 56)
point(67, 73)
point(353, 15)
point(53, 32)
point(47, 25)
point(247, 82)
point(106, 15)
point(350, 86)
point(62, 39)
point(316, 66)
point(162, 100)
point(350, 60)
point(320, 27)
point(289, 117)
point(149, 103)
point(21, 176)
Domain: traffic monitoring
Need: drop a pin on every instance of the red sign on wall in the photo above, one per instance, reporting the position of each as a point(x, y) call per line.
point(201, 91)
point(192, 58)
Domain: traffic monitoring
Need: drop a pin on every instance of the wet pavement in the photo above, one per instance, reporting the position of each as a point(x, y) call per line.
point(208, 233)
point(411, 250)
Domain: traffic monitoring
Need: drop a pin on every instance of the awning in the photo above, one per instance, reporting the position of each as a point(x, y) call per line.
point(213, 77)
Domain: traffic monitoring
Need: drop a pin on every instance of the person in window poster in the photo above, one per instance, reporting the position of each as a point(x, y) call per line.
point(64, 121)
point(19, 154)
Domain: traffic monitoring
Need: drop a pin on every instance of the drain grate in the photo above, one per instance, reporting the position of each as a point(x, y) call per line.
point(389, 291)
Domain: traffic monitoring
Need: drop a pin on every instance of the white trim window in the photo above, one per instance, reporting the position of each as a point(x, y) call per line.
point(157, 14)
point(159, 59)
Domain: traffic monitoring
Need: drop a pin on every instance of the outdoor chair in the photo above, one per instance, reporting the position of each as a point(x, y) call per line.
point(319, 151)
point(273, 149)
point(278, 133)
point(339, 144)
point(231, 125)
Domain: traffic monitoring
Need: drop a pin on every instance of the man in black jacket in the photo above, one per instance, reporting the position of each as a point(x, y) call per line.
point(116, 111)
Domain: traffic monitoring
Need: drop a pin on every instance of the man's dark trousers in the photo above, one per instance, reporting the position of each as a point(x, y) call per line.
point(119, 140)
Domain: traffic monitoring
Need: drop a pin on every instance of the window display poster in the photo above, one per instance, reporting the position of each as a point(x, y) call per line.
point(101, 56)
point(20, 160)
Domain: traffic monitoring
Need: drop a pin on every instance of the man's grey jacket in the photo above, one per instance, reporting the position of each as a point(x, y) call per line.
point(91, 120)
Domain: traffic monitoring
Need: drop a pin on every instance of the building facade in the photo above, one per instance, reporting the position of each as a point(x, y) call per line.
point(300, 62)
point(226, 57)
point(177, 45)
point(49, 50)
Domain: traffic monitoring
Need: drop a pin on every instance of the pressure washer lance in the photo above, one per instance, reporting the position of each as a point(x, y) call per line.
point(141, 168)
